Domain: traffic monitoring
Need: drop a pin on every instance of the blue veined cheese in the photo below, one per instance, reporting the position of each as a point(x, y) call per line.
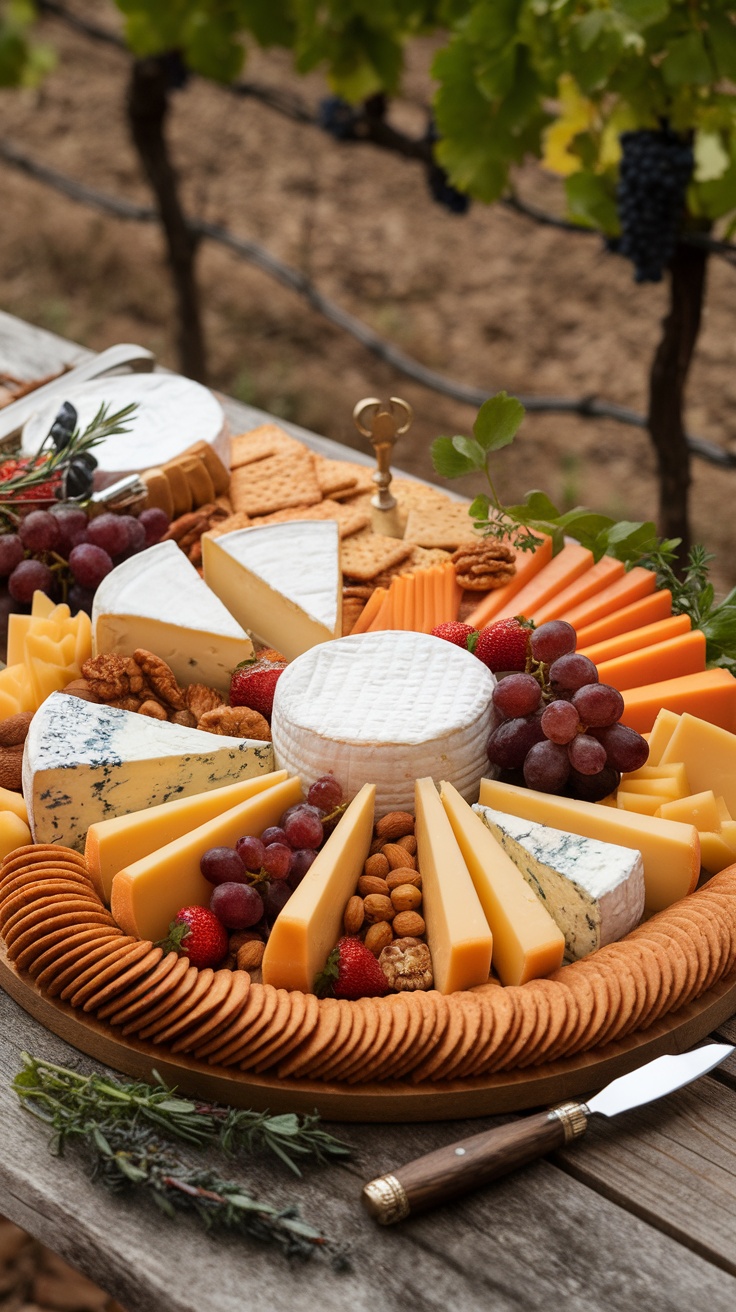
point(594, 891)
point(83, 763)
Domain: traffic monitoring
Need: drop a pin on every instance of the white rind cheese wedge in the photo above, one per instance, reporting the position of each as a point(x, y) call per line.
point(457, 930)
point(282, 582)
point(84, 763)
point(308, 928)
point(156, 600)
point(390, 707)
point(593, 891)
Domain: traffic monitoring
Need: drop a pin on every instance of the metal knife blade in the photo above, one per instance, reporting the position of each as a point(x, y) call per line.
point(659, 1077)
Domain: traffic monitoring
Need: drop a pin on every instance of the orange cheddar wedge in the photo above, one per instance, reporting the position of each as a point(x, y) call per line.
point(635, 639)
point(384, 617)
point(665, 660)
point(632, 587)
point(370, 610)
point(601, 575)
point(710, 696)
point(657, 606)
point(528, 564)
point(421, 583)
point(453, 593)
point(562, 570)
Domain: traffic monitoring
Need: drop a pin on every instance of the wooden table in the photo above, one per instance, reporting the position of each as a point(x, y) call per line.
point(639, 1216)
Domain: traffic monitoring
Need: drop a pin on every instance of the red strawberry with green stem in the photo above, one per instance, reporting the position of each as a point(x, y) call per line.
point(504, 645)
point(351, 971)
point(195, 932)
point(460, 635)
point(253, 683)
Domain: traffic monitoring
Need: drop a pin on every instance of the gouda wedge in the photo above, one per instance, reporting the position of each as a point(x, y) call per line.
point(662, 730)
point(699, 809)
point(709, 756)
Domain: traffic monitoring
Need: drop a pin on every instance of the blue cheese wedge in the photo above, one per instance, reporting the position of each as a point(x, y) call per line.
point(594, 891)
point(83, 763)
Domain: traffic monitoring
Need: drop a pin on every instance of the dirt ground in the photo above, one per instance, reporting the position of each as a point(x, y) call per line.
point(491, 298)
point(33, 1279)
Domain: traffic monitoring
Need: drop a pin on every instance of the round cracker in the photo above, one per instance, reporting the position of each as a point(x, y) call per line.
point(506, 1021)
point(100, 972)
point(230, 1004)
point(322, 1035)
point(472, 1010)
point(389, 1035)
point(47, 947)
point(275, 1023)
point(611, 987)
point(725, 905)
point(355, 1073)
point(583, 983)
point(408, 1039)
point(42, 854)
point(33, 896)
point(555, 1018)
point(237, 1026)
point(301, 1022)
point(151, 1029)
point(481, 1039)
point(136, 988)
point(39, 874)
point(176, 995)
point(579, 1008)
point(125, 1009)
point(656, 950)
point(79, 943)
point(65, 973)
point(528, 1006)
point(70, 920)
point(634, 992)
point(237, 1040)
point(683, 957)
point(368, 1021)
point(341, 1043)
point(137, 969)
point(200, 1009)
point(444, 1039)
point(43, 911)
point(340, 1060)
point(706, 931)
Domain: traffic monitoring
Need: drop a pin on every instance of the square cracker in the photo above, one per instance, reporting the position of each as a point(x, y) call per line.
point(349, 519)
point(335, 476)
point(259, 443)
point(274, 483)
point(439, 526)
point(366, 554)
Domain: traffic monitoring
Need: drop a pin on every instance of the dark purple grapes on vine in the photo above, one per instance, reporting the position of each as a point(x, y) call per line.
point(656, 167)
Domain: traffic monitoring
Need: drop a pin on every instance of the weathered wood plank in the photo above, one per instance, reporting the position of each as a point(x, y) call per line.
point(522, 1246)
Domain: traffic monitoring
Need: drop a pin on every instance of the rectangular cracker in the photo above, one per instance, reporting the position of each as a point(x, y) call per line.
point(362, 476)
point(439, 526)
point(335, 476)
point(274, 483)
point(260, 443)
point(349, 519)
point(366, 554)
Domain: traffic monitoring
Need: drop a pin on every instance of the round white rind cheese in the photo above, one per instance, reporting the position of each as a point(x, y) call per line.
point(384, 708)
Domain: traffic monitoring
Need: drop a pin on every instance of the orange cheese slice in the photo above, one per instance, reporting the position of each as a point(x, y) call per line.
point(657, 606)
point(528, 564)
point(711, 696)
point(636, 639)
point(370, 610)
point(670, 850)
point(564, 568)
point(665, 660)
point(384, 617)
point(632, 587)
point(147, 894)
point(601, 575)
point(457, 930)
point(526, 941)
point(452, 594)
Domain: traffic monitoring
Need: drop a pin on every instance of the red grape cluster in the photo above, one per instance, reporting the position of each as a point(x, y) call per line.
point(254, 880)
point(65, 541)
point(560, 725)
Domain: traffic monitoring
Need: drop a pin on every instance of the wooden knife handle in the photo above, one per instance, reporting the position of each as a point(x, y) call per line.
point(461, 1167)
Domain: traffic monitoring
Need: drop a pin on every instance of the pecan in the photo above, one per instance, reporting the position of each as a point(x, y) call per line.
point(183, 717)
point(354, 915)
point(111, 676)
point(483, 564)
point(14, 729)
point(200, 699)
point(11, 763)
point(409, 922)
point(83, 689)
point(161, 679)
point(406, 897)
point(407, 964)
point(179, 528)
point(394, 825)
point(154, 710)
point(195, 552)
point(127, 703)
point(378, 937)
point(236, 722)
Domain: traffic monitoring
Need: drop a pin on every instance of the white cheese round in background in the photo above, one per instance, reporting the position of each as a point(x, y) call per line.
point(384, 708)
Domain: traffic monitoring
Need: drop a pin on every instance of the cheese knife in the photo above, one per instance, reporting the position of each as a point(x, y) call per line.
point(461, 1167)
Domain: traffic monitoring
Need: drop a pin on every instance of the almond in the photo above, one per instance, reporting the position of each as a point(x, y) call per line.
point(407, 897)
point(403, 876)
point(408, 923)
point(354, 915)
point(398, 856)
point(409, 843)
point(377, 907)
point(376, 865)
point(368, 884)
point(394, 825)
point(250, 955)
point(378, 937)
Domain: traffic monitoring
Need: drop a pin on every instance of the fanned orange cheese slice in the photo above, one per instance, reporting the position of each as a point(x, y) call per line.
point(665, 660)
point(710, 696)
point(569, 563)
point(601, 575)
point(635, 639)
point(528, 564)
point(632, 587)
point(370, 611)
point(657, 606)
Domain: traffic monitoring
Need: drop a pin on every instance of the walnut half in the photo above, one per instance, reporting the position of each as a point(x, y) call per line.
point(407, 965)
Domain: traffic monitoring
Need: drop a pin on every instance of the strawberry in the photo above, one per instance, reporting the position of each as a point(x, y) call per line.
point(461, 635)
point(195, 932)
point(504, 645)
point(253, 683)
point(351, 971)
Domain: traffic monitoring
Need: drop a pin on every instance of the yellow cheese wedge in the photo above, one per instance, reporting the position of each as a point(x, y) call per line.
point(723, 811)
point(61, 612)
point(668, 789)
point(14, 832)
point(112, 844)
point(457, 930)
point(698, 809)
point(42, 606)
point(10, 801)
point(147, 894)
point(18, 628)
point(709, 755)
point(640, 803)
point(82, 636)
point(308, 928)
point(47, 677)
point(526, 941)
point(727, 832)
point(674, 771)
point(716, 853)
point(662, 730)
point(670, 849)
point(16, 689)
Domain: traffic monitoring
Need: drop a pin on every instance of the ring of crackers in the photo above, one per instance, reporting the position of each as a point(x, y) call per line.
point(56, 928)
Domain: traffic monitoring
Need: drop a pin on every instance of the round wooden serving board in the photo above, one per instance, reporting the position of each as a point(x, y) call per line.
point(394, 1102)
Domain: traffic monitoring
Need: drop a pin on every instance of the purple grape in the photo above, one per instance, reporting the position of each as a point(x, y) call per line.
point(108, 532)
point(155, 523)
point(28, 577)
point(571, 672)
point(222, 865)
point(237, 906)
point(80, 599)
point(546, 767)
point(89, 565)
point(560, 722)
point(40, 531)
point(275, 898)
point(586, 754)
point(551, 640)
point(598, 705)
point(251, 852)
point(277, 860)
point(517, 695)
point(304, 828)
point(274, 834)
point(136, 533)
point(594, 787)
point(509, 743)
point(301, 860)
point(11, 553)
point(325, 793)
point(625, 748)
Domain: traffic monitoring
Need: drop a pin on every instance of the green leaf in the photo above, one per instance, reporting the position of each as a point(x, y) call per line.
point(447, 460)
point(687, 62)
point(498, 421)
point(591, 201)
point(582, 520)
point(644, 13)
point(720, 627)
point(471, 449)
point(721, 39)
point(540, 505)
point(478, 509)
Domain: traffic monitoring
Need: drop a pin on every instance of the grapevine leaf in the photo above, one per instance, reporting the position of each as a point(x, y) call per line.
point(537, 505)
point(581, 520)
point(498, 421)
point(687, 62)
point(722, 44)
point(644, 13)
point(471, 449)
point(591, 202)
point(448, 461)
point(478, 509)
